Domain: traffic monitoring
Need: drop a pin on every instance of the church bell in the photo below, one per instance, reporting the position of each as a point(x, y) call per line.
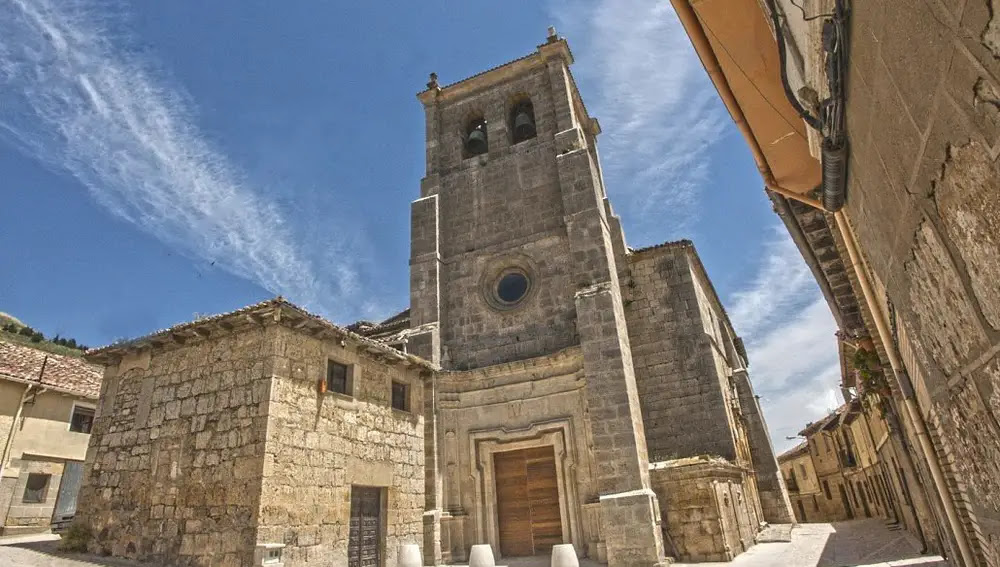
point(524, 126)
point(476, 143)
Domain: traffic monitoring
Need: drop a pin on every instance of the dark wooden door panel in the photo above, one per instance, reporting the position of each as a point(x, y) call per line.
point(364, 545)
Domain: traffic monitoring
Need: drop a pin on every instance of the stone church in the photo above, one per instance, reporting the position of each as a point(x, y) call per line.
point(547, 384)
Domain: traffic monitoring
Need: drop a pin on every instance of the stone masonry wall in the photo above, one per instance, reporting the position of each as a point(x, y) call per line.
point(923, 124)
point(775, 504)
point(320, 445)
point(176, 452)
point(496, 209)
point(683, 405)
point(705, 507)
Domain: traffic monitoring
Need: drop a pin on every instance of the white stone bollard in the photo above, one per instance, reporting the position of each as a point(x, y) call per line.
point(481, 556)
point(563, 555)
point(409, 556)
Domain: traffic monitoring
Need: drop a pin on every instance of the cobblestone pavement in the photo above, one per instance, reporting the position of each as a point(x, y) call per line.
point(860, 543)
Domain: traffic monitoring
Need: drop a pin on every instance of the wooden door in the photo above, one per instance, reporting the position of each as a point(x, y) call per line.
point(365, 542)
point(527, 501)
point(69, 487)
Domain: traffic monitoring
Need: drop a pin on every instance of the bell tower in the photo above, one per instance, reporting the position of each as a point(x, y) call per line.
point(513, 258)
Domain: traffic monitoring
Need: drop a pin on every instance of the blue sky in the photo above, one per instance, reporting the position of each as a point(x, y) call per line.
point(162, 160)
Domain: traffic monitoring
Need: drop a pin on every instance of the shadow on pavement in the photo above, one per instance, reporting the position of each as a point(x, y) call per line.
point(875, 543)
point(51, 549)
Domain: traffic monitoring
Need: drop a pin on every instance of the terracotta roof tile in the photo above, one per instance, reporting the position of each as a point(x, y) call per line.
point(795, 451)
point(65, 373)
point(277, 304)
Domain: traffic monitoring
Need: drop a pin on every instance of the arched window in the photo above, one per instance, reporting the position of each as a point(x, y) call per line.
point(522, 121)
point(476, 140)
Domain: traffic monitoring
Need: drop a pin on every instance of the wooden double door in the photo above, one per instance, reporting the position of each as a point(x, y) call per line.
point(527, 501)
point(364, 545)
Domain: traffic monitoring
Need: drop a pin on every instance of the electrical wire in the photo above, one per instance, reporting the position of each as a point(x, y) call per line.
point(811, 120)
point(807, 17)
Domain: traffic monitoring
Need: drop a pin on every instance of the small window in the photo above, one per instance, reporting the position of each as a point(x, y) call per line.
point(401, 396)
point(82, 419)
point(36, 489)
point(338, 378)
point(802, 468)
point(826, 490)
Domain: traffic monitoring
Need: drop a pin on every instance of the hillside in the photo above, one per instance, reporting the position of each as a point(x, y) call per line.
point(13, 330)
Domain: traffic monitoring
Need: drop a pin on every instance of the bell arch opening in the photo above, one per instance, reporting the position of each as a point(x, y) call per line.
point(522, 120)
point(475, 140)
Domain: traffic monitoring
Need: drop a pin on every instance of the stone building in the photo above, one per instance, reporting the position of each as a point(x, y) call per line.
point(46, 411)
point(882, 123)
point(264, 430)
point(569, 389)
point(803, 485)
point(554, 335)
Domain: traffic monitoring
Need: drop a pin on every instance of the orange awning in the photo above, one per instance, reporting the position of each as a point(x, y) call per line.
point(736, 46)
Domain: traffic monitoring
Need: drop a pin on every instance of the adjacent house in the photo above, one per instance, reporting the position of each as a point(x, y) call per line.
point(803, 485)
point(264, 433)
point(47, 406)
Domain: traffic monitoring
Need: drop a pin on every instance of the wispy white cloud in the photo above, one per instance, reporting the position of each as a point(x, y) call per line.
point(80, 102)
point(659, 111)
point(783, 282)
point(789, 333)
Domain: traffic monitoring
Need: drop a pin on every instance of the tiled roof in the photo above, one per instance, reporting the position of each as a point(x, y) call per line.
point(795, 451)
point(278, 309)
point(827, 423)
point(669, 244)
point(384, 329)
point(63, 373)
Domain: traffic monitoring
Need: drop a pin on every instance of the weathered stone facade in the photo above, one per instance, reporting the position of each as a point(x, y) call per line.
point(922, 121)
point(709, 510)
point(604, 356)
point(556, 364)
point(213, 437)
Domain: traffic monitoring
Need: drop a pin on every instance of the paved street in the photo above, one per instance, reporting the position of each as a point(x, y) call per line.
point(861, 543)
point(867, 543)
point(43, 551)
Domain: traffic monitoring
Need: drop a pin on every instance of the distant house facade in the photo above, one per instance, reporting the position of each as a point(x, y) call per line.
point(47, 404)
point(803, 485)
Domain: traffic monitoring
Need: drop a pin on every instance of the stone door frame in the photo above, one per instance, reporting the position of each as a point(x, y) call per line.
point(485, 443)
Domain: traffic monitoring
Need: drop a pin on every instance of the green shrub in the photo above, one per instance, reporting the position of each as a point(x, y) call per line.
point(76, 538)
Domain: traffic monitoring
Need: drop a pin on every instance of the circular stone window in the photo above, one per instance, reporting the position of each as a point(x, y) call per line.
point(508, 282)
point(512, 287)
point(507, 287)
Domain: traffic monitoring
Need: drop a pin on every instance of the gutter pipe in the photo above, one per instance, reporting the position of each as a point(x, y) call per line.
point(17, 417)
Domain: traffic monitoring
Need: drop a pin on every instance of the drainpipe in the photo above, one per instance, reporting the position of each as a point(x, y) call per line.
point(17, 417)
point(13, 428)
point(701, 44)
point(912, 412)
